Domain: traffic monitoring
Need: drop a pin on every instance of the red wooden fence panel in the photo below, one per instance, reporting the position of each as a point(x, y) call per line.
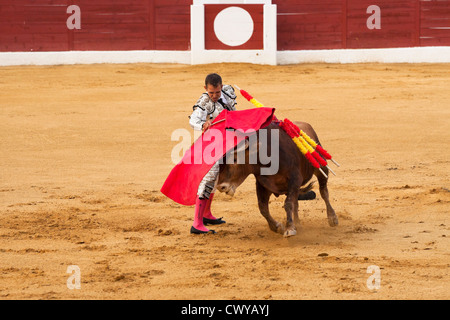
point(435, 23)
point(40, 25)
point(118, 25)
point(309, 24)
point(397, 24)
point(33, 25)
point(172, 24)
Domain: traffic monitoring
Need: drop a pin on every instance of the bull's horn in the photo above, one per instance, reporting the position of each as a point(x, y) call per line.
point(242, 147)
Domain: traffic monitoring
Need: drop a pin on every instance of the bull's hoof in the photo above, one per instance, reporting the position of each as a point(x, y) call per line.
point(280, 228)
point(277, 227)
point(333, 221)
point(290, 233)
point(310, 195)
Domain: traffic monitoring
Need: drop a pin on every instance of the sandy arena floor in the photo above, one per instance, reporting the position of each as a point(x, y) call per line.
point(85, 150)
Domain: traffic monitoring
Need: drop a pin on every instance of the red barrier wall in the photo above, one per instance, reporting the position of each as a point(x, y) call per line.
point(40, 25)
point(435, 23)
point(342, 24)
point(398, 24)
point(310, 24)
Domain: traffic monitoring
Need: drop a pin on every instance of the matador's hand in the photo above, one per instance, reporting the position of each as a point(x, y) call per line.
point(206, 125)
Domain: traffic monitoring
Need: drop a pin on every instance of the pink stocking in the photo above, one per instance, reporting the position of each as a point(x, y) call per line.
point(207, 214)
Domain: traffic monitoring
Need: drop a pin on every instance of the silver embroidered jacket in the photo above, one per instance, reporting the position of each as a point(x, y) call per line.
point(205, 108)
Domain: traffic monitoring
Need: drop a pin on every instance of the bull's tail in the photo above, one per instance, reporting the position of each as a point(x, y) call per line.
point(307, 188)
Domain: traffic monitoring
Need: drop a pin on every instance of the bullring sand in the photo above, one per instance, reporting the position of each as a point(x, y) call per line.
point(86, 148)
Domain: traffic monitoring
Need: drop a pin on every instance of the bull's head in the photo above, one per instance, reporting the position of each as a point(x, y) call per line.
point(232, 171)
point(258, 154)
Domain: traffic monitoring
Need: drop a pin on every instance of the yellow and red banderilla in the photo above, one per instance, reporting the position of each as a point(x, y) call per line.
point(313, 151)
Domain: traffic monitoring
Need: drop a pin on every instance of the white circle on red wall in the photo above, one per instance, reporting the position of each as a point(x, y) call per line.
point(233, 26)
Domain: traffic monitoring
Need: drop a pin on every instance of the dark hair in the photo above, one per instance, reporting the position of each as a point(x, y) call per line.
point(213, 79)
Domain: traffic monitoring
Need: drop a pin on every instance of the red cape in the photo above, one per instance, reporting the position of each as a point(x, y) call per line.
point(182, 183)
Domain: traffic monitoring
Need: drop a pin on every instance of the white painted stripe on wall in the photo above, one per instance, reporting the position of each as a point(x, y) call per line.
point(390, 55)
point(91, 57)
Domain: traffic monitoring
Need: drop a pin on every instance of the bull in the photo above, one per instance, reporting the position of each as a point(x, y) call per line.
point(291, 179)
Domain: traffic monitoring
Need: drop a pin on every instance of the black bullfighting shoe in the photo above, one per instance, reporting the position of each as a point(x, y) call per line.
point(310, 195)
point(207, 221)
point(196, 231)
